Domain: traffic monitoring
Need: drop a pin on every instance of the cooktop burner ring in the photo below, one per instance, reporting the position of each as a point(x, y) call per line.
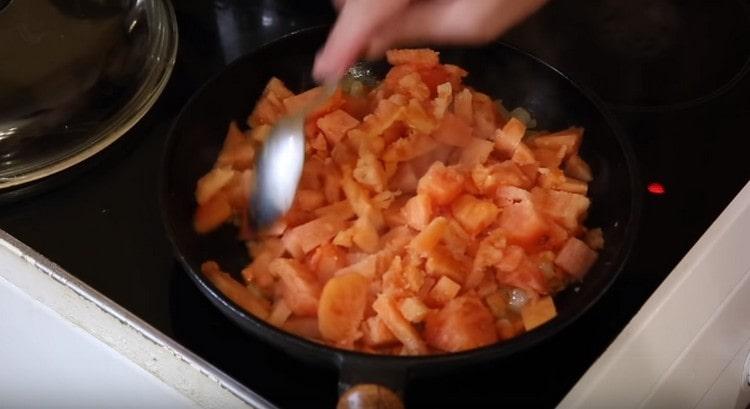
point(645, 55)
point(677, 106)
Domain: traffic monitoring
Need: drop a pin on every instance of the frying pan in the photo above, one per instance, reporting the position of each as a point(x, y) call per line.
point(499, 70)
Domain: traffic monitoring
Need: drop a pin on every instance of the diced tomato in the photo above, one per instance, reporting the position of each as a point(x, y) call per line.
point(474, 214)
point(397, 238)
point(423, 57)
point(576, 258)
point(332, 184)
point(415, 116)
point(370, 172)
point(306, 237)
point(212, 214)
point(508, 138)
point(549, 158)
point(387, 309)
point(413, 309)
point(326, 260)
point(442, 184)
point(269, 108)
point(462, 106)
point(262, 255)
point(276, 86)
point(335, 125)
point(412, 86)
point(523, 155)
point(356, 106)
point(538, 312)
point(339, 210)
point(279, 313)
point(556, 236)
point(246, 299)
point(413, 145)
point(489, 253)
point(485, 122)
point(453, 131)
point(211, 183)
point(512, 257)
point(476, 152)
point(429, 237)
point(301, 289)
point(570, 139)
point(394, 132)
point(393, 282)
point(234, 138)
point(526, 276)
point(464, 323)
point(508, 195)
point(376, 333)
point(456, 239)
point(565, 208)
point(418, 212)
point(489, 179)
point(366, 267)
point(433, 77)
point(522, 224)
point(342, 307)
point(306, 327)
point(441, 263)
point(295, 103)
point(443, 100)
point(309, 200)
point(361, 202)
point(497, 304)
point(405, 179)
point(456, 75)
point(259, 133)
point(365, 236)
point(444, 290)
point(595, 239)
point(394, 215)
point(507, 329)
point(414, 276)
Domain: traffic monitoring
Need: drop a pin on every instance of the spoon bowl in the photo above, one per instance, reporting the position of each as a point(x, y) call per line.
point(279, 164)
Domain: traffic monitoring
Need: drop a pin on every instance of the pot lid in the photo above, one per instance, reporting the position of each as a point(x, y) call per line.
point(75, 75)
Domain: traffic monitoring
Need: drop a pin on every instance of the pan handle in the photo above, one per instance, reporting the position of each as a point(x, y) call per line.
point(369, 396)
point(363, 385)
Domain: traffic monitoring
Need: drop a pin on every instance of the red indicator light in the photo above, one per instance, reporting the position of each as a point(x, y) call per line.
point(656, 188)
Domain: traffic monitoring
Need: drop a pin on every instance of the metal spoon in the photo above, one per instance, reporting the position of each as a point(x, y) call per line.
point(278, 166)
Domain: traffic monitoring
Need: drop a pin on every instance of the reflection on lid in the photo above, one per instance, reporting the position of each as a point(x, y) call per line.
point(74, 74)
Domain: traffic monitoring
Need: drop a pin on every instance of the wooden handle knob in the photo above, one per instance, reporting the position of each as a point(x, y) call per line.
point(369, 396)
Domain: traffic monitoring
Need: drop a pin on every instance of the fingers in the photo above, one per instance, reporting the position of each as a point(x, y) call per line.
point(351, 34)
point(450, 22)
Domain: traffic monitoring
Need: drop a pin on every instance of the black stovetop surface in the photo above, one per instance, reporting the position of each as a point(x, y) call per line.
point(673, 72)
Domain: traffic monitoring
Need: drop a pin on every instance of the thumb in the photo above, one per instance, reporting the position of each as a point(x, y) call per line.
point(351, 33)
point(450, 22)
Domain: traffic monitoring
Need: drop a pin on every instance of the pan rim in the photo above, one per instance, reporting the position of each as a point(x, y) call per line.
point(340, 357)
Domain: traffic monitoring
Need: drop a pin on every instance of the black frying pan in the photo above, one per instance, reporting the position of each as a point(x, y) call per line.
point(499, 70)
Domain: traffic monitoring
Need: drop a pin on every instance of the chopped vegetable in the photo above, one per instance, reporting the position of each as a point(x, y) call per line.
point(464, 323)
point(342, 308)
point(538, 312)
point(427, 219)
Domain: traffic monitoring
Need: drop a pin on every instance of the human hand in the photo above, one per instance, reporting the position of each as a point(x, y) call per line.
point(370, 27)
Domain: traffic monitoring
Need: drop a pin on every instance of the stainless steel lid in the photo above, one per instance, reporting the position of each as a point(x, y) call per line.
point(75, 75)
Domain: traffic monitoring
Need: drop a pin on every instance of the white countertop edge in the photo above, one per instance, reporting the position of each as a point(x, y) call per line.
point(116, 327)
point(642, 362)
